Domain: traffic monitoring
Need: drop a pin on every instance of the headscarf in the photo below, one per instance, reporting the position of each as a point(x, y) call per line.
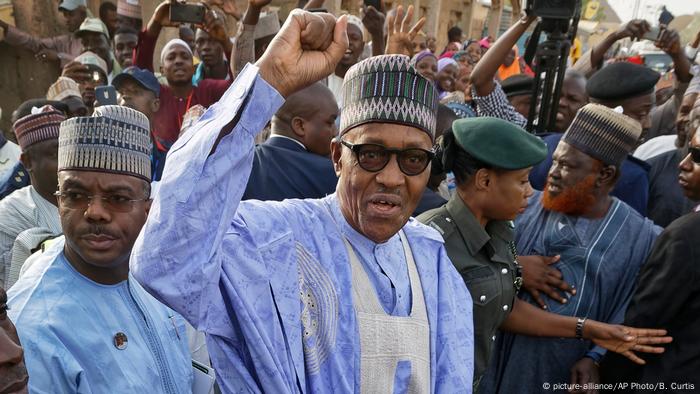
point(446, 61)
point(421, 55)
point(447, 54)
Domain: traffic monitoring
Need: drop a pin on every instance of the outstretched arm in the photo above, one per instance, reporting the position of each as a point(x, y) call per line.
point(486, 69)
point(178, 256)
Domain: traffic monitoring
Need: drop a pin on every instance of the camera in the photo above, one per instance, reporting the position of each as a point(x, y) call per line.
point(552, 9)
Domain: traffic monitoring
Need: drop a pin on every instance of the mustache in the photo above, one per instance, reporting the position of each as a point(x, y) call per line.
point(385, 190)
point(96, 229)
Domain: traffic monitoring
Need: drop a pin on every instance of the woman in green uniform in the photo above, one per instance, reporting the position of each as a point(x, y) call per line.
point(491, 160)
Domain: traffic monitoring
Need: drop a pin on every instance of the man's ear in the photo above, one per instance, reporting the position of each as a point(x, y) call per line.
point(155, 105)
point(607, 176)
point(298, 129)
point(147, 206)
point(336, 155)
point(26, 161)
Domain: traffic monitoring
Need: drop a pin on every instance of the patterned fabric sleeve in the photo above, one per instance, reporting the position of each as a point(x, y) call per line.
point(496, 104)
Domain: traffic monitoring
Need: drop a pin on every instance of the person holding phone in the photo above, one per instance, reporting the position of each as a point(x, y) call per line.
point(177, 67)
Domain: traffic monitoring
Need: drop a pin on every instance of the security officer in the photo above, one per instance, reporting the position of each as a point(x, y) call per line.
point(491, 160)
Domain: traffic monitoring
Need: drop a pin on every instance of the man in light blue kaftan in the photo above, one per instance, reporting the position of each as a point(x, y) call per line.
point(86, 325)
point(295, 296)
point(602, 243)
point(68, 325)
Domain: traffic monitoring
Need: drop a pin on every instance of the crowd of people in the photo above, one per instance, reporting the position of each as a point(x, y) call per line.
point(332, 203)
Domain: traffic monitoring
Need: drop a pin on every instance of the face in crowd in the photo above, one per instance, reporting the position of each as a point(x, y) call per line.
point(576, 181)
point(689, 177)
point(357, 44)
point(41, 161)
point(177, 65)
point(74, 18)
point(379, 203)
point(95, 77)
point(131, 94)
point(97, 43)
point(210, 51)
point(427, 67)
point(573, 97)
point(124, 43)
point(13, 373)
point(683, 119)
point(101, 216)
point(447, 77)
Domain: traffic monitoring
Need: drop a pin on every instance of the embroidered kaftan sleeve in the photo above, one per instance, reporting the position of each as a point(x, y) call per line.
point(178, 255)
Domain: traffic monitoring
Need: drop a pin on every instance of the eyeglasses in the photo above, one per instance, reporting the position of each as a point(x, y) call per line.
point(110, 202)
point(374, 157)
point(694, 154)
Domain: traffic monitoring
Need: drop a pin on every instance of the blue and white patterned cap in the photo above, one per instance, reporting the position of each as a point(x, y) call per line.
point(114, 139)
point(388, 89)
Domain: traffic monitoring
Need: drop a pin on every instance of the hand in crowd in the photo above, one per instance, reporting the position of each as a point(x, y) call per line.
point(259, 4)
point(539, 277)
point(670, 42)
point(162, 15)
point(215, 26)
point(633, 29)
point(400, 37)
point(626, 340)
point(77, 71)
point(227, 6)
point(585, 371)
point(307, 48)
point(47, 55)
point(374, 19)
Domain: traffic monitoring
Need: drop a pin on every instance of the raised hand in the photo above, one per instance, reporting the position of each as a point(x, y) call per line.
point(540, 277)
point(626, 340)
point(214, 26)
point(258, 3)
point(400, 37)
point(633, 29)
point(306, 49)
point(77, 71)
point(670, 42)
point(227, 6)
point(373, 19)
point(161, 15)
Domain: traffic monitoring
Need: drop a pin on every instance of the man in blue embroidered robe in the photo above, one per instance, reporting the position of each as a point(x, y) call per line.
point(602, 243)
point(337, 295)
point(85, 324)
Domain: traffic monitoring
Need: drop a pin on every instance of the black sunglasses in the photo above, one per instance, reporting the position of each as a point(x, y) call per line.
point(374, 157)
point(694, 154)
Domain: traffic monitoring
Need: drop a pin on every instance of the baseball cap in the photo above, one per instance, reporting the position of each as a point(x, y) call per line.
point(92, 25)
point(70, 5)
point(143, 77)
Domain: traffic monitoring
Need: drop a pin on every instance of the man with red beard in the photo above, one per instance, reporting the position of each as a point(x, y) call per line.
point(602, 242)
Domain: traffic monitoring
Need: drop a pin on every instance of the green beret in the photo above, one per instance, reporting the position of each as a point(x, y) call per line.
point(499, 143)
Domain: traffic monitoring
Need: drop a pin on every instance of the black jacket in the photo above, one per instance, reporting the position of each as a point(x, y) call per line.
point(667, 296)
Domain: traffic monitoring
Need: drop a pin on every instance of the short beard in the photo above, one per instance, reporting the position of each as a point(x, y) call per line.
point(574, 200)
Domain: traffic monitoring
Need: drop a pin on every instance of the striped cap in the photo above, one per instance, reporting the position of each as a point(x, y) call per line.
point(603, 133)
point(41, 125)
point(114, 139)
point(129, 8)
point(387, 89)
point(62, 88)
